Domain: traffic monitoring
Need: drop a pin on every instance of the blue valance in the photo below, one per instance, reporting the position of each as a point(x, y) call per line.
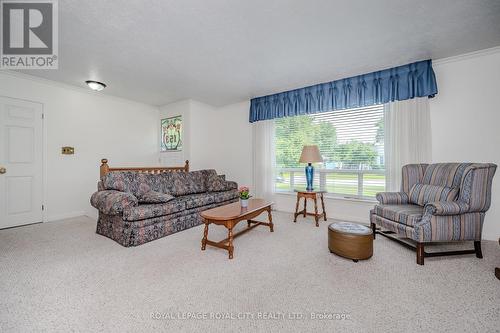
point(394, 84)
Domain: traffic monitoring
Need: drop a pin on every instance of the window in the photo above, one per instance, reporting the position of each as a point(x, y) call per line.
point(351, 142)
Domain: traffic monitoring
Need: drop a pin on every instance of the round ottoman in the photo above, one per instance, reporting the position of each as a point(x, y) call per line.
point(350, 240)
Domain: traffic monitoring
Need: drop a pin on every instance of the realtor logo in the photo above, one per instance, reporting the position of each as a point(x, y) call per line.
point(29, 34)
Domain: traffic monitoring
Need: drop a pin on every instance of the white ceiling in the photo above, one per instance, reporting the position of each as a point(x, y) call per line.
point(225, 51)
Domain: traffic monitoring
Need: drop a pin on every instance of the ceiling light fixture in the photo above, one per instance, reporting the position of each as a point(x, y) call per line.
point(95, 85)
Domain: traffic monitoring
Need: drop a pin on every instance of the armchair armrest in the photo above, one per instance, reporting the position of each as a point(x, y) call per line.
point(113, 202)
point(392, 198)
point(446, 208)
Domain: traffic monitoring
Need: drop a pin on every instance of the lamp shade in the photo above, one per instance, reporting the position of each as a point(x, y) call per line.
point(310, 154)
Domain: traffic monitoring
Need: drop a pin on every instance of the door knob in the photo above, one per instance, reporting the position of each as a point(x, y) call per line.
point(2, 170)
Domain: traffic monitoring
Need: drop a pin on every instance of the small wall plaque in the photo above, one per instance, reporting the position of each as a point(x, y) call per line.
point(68, 150)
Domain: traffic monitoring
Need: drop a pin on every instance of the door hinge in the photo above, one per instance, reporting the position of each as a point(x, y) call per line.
point(43, 207)
point(43, 115)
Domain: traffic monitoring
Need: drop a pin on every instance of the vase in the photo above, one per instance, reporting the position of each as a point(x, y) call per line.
point(244, 203)
point(309, 177)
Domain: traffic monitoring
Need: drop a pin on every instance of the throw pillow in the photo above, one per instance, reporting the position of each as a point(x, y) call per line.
point(215, 183)
point(155, 197)
point(184, 183)
point(420, 194)
point(128, 181)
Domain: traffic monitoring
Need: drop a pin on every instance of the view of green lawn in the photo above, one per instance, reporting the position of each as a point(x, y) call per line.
point(337, 183)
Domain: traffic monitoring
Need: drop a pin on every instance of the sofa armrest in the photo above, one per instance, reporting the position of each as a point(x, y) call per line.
point(100, 186)
point(392, 198)
point(446, 208)
point(113, 202)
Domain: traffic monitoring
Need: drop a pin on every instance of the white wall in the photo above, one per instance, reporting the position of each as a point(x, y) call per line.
point(214, 138)
point(222, 139)
point(182, 108)
point(98, 126)
point(465, 117)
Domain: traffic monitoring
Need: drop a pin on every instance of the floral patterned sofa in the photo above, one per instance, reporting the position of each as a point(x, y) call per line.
point(136, 208)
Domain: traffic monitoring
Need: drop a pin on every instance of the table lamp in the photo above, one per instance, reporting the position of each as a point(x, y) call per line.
point(310, 154)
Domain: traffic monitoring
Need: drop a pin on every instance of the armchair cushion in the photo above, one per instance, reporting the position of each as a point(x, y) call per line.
point(446, 208)
point(445, 174)
point(412, 174)
point(405, 214)
point(420, 194)
point(392, 198)
point(113, 202)
point(155, 197)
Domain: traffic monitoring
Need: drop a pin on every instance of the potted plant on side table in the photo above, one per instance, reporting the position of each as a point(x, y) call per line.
point(244, 193)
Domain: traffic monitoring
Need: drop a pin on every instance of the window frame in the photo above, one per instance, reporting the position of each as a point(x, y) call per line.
point(321, 175)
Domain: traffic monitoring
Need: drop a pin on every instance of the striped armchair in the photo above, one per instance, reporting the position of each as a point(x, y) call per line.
point(437, 203)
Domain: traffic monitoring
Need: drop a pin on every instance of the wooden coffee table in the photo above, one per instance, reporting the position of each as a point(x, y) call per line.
point(229, 216)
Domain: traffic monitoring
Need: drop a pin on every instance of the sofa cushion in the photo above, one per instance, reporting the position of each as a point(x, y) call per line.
point(146, 211)
point(210, 176)
point(133, 182)
point(207, 198)
point(420, 194)
point(155, 197)
point(215, 183)
point(405, 214)
point(184, 183)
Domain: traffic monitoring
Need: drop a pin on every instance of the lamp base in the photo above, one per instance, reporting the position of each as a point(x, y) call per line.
point(309, 177)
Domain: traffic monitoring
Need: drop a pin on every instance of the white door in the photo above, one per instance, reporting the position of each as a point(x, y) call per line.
point(21, 185)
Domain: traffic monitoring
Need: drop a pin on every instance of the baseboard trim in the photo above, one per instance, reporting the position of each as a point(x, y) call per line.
point(62, 216)
point(346, 218)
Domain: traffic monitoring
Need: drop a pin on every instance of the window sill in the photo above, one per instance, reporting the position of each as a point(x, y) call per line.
point(334, 197)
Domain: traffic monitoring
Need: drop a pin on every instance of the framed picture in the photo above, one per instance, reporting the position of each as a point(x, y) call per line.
point(171, 134)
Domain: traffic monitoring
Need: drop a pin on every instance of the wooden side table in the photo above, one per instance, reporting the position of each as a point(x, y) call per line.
point(314, 196)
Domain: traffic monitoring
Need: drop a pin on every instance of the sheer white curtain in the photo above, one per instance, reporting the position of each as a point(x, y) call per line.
point(263, 159)
point(407, 137)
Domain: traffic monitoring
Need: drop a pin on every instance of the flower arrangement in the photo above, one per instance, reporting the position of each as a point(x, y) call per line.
point(244, 192)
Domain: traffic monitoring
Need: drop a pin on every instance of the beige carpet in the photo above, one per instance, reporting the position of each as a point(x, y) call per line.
point(62, 276)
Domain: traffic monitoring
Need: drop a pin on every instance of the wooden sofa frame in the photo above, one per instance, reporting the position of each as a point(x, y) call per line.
point(105, 169)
